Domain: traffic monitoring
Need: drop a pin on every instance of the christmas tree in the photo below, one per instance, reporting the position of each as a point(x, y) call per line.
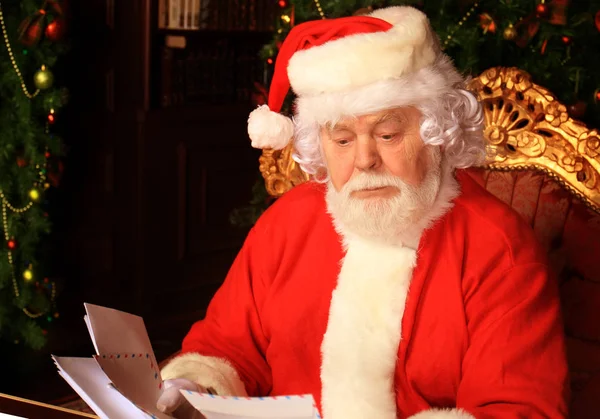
point(32, 31)
point(556, 41)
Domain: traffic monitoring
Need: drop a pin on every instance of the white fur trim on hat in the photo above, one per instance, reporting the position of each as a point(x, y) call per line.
point(268, 129)
point(358, 60)
point(443, 414)
point(409, 90)
point(207, 371)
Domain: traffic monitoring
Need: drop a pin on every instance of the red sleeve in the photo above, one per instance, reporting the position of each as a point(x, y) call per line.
point(515, 365)
point(232, 327)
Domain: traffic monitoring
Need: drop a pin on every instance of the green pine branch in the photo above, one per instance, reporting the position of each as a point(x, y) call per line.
point(26, 140)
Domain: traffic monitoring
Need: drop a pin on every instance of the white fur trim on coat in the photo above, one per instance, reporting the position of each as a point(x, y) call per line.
point(268, 129)
point(358, 60)
point(360, 345)
point(207, 371)
point(443, 414)
point(410, 89)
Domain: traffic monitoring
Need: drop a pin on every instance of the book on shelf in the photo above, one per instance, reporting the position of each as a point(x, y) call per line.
point(226, 15)
point(123, 381)
point(197, 72)
point(180, 14)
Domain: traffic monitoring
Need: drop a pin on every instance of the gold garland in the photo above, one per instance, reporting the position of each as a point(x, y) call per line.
point(320, 9)
point(4, 203)
point(12, 58)
point(460, 23)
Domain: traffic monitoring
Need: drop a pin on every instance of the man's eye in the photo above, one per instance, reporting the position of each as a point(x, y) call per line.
point(342, 142)
point(388, 137)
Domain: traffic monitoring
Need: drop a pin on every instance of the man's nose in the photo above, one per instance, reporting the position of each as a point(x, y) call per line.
point(367, 156)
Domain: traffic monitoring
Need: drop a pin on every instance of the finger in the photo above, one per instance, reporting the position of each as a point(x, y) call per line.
point(169, 400)
point(181, 383)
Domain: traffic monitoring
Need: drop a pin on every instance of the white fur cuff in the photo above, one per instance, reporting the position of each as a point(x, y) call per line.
point(207, 371)
point(443, 414)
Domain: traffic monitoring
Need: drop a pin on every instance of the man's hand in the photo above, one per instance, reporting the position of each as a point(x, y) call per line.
point(172, 402)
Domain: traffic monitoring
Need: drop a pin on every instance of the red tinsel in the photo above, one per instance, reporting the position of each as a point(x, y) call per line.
point(32, 28)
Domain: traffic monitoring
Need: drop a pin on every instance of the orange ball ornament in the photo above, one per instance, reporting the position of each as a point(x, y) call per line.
point(55, 30)
point(542, 10)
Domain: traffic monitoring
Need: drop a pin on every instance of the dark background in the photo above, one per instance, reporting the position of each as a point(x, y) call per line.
point(157, 156)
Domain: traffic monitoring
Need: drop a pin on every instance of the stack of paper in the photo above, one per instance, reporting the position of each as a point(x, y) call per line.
point(123, 379)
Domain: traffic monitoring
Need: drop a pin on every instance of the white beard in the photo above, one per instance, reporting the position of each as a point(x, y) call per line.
point(398, 220)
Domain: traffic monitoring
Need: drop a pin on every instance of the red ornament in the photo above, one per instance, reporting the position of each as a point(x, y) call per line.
point(282, 3)
point(51, 118)
point(32, 28)
point(55, 30)
point(597, 96)
point(566, 40)
point(47, 154)
point(487, 23)
point(597, 20)
point(542, 10)
point(21, 162)
point(11, 244)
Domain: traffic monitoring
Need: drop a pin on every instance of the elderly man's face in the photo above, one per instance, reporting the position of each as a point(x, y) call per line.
point(384, 143)
point(382, 178)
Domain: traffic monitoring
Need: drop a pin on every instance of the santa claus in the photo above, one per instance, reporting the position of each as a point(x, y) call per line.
point(391, 285)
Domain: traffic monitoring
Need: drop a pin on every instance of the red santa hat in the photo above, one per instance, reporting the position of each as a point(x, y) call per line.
point(352, 66)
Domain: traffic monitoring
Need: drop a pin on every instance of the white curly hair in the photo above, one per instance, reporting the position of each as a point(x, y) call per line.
point(452, 119)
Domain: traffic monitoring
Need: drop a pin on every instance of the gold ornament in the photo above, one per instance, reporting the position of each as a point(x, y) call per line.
point(43, 78)
point(34, 194)
point(27, 275)
point(510, 33)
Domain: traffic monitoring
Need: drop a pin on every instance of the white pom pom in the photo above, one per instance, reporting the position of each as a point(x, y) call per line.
point(268, 129)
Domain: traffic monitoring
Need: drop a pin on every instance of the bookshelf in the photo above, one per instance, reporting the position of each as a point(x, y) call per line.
point(159, 154)
point(206, 51)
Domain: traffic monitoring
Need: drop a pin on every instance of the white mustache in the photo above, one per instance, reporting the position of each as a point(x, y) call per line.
point(371, 181)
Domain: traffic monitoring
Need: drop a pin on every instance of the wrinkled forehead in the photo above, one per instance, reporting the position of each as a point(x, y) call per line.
point(398, 115)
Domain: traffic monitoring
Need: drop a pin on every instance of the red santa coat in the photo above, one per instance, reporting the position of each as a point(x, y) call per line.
point(467, 326)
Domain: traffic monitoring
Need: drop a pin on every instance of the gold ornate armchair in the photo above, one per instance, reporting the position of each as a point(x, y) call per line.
point(545, 165)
